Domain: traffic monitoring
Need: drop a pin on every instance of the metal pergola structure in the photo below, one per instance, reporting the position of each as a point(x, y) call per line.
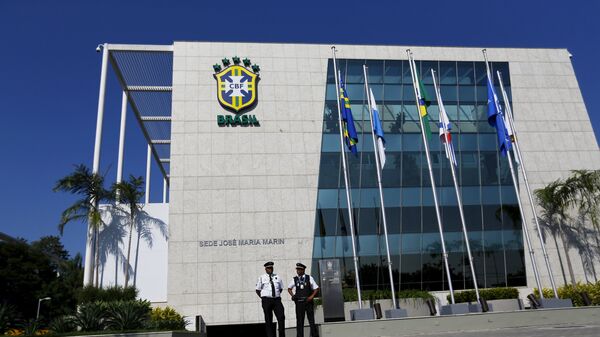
point(145, 73)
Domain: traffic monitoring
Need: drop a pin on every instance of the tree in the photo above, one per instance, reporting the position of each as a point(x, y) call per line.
point(90, 187)
point(554, 201)
point(30, 272)
point(129, 194)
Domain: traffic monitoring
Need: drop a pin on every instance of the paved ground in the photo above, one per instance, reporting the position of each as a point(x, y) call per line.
point(546, 331)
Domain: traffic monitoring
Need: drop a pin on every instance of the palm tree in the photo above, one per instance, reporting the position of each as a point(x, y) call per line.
point(554, 201)
point(129, 194)
point(90, 187)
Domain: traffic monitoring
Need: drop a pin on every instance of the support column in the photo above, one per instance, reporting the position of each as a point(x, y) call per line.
point(148, 163)
point(164, 191)
point(122, 137)
point(88, 273)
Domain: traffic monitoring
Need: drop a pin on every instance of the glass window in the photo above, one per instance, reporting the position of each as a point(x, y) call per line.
point(329, 170)
point(426, 67)
point(393, 92)
point(330, 76)
point(393, 72)
point(466, 94)
point(354, 71)
point(411, 170)
point(466, 73)
point(449, 93)
point(406, 76)
point(447, 73)
point(503, 68)
point(481, 74)
point(375, 71)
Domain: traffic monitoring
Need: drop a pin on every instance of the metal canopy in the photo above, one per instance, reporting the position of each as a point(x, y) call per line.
point(145, 73)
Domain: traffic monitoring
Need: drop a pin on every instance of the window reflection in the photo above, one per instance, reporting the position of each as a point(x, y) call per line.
point(491, 215)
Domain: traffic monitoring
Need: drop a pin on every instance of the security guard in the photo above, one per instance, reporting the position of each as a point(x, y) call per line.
point(306, 290)
point(269, 288)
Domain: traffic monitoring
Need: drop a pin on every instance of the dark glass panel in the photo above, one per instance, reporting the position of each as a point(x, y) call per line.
point(330, 118)
point(375, 71)
point(492, 219)
point(430, 224)
point(503, 68)
point(451, 219)
point(393, 72)
point(466, 73)
point(390, 176)
point(411, 169)
point(330, 75)
point(494, 269)
point(466, 94)
point(392, 92)
point(458, 264)
point(447, 73)
point(481, 75)
point(406, 76)
point(432, 271)
point(489, 168)
point(469, 168)
point(354, 71)
point(410, 271)
point(515, 268)
point(473, 217)
point(411, 220)
point(426, 77)
point(449, 93)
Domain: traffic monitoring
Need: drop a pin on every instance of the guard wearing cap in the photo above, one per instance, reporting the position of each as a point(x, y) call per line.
point(306, 290)
point(269, 288)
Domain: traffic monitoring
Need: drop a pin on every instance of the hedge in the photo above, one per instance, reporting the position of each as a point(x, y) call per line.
point(487, 294)
point(351, 295)
point(89, 294)
point(574, 293)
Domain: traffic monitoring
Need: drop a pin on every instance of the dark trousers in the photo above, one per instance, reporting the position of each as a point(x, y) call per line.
point(303, 307)
point(269, 306)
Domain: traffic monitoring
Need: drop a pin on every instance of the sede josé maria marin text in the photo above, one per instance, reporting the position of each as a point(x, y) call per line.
point(241, 242)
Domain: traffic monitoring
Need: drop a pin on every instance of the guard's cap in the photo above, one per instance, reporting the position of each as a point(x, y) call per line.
point(269, 264)
point(300, 266)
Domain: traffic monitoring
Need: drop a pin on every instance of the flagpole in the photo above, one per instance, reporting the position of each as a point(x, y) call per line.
point(514, 178)
point(346, 182)
point(517, 151)
point(413, 71)
point(378, 169)
point(458, 197)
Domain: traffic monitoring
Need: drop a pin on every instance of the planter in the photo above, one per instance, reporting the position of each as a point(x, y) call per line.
point(513, 304)
point(415, 307)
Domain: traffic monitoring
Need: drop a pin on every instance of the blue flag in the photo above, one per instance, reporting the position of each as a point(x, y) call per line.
point(496, 119)
point(348, 128)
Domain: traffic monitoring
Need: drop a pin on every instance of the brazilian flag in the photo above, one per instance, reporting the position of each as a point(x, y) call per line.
point(424, 102)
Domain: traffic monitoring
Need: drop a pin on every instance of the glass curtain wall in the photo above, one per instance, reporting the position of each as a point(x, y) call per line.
point(491, 211)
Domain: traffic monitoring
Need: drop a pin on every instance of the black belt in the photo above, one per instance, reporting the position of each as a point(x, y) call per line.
point(272, 298)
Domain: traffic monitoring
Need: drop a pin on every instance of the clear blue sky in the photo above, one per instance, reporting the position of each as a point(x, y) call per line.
point(49, 70)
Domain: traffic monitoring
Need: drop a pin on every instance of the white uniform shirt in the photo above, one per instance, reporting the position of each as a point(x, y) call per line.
point(264, 285)
point(313, 284)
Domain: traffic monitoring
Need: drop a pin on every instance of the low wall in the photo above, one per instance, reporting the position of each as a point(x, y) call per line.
point(458, 323)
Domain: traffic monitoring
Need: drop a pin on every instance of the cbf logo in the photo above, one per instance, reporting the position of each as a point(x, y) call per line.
point(237, 90)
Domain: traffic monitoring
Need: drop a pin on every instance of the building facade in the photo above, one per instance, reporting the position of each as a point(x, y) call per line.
point(271, 189)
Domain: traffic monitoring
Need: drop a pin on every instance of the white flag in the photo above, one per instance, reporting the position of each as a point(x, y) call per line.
point(378, 130)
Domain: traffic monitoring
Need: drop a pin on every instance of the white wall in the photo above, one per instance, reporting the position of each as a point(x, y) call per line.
point(151, 279)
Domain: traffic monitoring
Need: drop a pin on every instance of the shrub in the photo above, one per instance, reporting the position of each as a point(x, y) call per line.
point(6, 316)
point(90, 294)
point(166, 319)
point(574, 293)
point(351, 295)
point(63, 324)
point(90, 316)
point(127, 315)
point(487, 294)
